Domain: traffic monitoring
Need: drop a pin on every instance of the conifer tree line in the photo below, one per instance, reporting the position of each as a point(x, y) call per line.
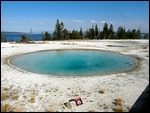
point(61, 33)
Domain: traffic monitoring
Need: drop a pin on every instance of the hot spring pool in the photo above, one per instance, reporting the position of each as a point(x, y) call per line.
point(74, 62)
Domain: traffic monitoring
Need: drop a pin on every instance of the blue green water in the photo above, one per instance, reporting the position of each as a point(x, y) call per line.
point(73, 62)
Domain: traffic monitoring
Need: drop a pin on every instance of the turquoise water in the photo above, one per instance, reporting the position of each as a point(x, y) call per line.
point(73, 62)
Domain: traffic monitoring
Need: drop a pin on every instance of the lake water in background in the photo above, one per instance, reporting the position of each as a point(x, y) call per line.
point(16, 36)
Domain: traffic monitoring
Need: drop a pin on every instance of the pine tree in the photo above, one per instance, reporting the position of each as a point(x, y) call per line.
point(129, 34)
point(47, 36)
point(96, 32)
point(3, 38)
point(65, 34)
point(81, 33)
point(111, 33)
point(105, 31)
point(42, 36)
point(92, 32)
point(24, 38)
point(146, 36)
point(134, 33)
point(138, 33)
point(74, 34)
point(31, 34)
point(121, 34)
point(58, 32)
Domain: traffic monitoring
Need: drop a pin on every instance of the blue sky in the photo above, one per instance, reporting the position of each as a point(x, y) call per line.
point(21, 16)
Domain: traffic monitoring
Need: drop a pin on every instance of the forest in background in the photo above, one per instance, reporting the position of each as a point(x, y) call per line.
point(61, 33)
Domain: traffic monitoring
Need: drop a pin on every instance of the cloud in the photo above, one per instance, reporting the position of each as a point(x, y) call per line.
point(111, 22)
point(135, 23)
point(40, 22)
point(79, 21)
point(10, 21)
point(102, 22)
point(93, 21)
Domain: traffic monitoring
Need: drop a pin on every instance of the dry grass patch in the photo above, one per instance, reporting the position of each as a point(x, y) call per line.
point(40, 98)
point(51, 109)
point(119, 109)
point(24, 96)
point(5, 108)
point(91, 101)
point(17, 110)
point(15, 96)
point(32, 100)
point(102, 91)
point(118, 101)
point(5, 89)
point(92, 110)
point(4, 95)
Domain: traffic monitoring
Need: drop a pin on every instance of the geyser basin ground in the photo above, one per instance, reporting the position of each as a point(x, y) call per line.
point(49, 92)
point(74, 62)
